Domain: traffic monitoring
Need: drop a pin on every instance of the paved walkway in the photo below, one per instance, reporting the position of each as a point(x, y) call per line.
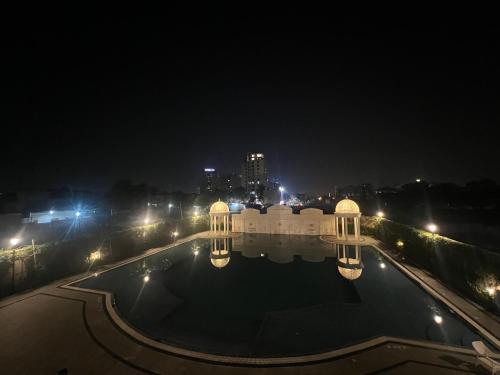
point(52, 328)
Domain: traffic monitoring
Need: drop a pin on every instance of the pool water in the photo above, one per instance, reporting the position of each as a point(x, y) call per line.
point(274, 295)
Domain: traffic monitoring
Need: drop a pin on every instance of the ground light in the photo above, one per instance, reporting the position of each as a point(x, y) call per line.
point(438, 319)
point(432, 228)
point(14, 241)
point(380, 214)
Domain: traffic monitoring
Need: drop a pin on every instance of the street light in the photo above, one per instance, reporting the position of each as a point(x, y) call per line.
point(380, 214)
point(14, 241)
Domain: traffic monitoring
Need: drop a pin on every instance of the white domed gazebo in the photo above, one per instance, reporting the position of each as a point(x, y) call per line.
point(219, 253)
point(347, 210)
point(349, 268)
point(219, 218)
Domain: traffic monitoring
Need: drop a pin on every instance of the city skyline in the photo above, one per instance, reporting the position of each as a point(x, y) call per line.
point(329, 102)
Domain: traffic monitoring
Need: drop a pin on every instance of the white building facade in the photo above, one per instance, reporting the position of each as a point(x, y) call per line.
point(310, 221)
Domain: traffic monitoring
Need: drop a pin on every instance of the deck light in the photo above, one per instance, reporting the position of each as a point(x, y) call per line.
point(438, 319)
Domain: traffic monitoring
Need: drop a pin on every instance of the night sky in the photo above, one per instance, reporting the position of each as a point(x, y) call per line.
point(331, 101)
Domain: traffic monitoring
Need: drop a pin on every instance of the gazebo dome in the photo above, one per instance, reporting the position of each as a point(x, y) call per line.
point(219, 208)
point(220, 262)
point(347, 206)
point(350, 268)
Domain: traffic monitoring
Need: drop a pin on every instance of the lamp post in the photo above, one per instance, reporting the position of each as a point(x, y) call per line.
point(281, 189)
point(13, 242)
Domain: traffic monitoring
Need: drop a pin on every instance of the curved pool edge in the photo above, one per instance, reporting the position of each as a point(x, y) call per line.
point(132, 333)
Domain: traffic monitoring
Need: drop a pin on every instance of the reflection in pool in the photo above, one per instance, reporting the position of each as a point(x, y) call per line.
point(274, 295)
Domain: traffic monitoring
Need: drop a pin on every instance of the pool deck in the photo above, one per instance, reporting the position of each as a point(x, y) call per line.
point(52, 328)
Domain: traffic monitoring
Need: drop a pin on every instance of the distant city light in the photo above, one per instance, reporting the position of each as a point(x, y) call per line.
point(77, 213)
point(400, 243)
point(261, 254)
point(14, 241)
point(281, 188)
point(320, 198)
point(175, 234)
point(380, 214)
point(149, 203)
point(438, 319)
point(418, 180)
point(432, 228)
point(382, 265)
point(170, 205)
point(209, 170)
point(146, 278)
point(51, 212)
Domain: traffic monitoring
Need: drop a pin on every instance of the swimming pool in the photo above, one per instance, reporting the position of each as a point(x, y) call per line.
point(274, 295)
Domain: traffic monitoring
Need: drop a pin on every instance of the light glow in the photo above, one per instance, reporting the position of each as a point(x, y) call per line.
point(438, 319)
point(146, 221)
point(196, 252)
point(77, 213)
point(14, 241)
point(491, 291)
point(382, 265)
point(400, 243)
point(380, 214)
point(146, 278)
point(432, 228)
point(51, 212)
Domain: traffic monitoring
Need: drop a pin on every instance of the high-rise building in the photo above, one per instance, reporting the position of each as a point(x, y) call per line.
point(254, 171)
point(210, 181)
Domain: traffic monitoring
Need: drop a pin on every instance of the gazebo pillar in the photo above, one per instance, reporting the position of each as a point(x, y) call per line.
point(344, 234)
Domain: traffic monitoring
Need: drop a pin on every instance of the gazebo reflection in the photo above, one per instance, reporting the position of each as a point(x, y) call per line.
point(219, 252)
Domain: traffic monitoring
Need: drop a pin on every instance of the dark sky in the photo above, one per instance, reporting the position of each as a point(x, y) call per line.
point(330, 100)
